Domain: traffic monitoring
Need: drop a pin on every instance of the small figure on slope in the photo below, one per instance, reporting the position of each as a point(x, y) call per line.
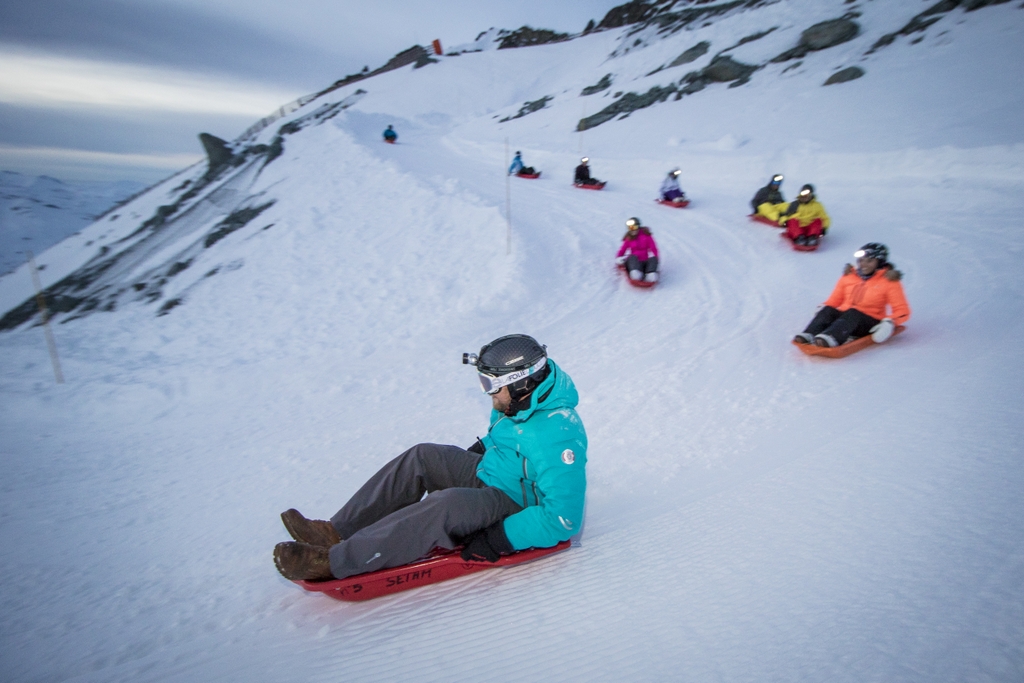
point(521, 486)
point(518, 168)
point(805, 219)
point(582, 175)
point(670, 190)
point(768, 201)
point(868, 299)
point(638, 253)
point(390, 135)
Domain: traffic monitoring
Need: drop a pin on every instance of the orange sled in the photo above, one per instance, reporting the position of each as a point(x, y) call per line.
point(845, 349)
point(439, 565)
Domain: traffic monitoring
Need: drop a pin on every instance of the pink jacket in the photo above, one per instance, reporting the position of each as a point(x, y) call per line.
point(642, 246)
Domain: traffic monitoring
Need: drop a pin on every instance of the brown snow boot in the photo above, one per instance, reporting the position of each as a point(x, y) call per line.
point(302, 561)
point(311, 531)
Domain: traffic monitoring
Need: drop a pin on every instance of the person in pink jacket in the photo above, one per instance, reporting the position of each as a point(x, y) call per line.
point(638, 253)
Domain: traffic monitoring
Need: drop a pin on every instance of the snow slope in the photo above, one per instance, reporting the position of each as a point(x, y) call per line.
point(753, 514)
point(36, 212)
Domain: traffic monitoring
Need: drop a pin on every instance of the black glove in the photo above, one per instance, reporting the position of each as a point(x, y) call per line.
point(487, 544)
point(479, 448)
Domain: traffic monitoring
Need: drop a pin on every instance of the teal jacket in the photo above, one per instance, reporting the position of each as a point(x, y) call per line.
point(539, 457)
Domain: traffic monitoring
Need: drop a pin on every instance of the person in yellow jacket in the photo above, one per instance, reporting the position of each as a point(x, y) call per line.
point(805, 220)
point(868, 299)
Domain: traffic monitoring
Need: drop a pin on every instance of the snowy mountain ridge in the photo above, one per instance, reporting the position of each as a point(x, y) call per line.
point(36, 212)
point(752, 513)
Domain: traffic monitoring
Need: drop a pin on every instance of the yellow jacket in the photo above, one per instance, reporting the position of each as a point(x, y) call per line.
point(806, 213)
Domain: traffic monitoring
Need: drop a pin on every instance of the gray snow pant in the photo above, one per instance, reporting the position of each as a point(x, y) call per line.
point(386, 524)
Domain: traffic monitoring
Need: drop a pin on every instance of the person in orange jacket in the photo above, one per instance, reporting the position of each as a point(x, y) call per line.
point(867, 299)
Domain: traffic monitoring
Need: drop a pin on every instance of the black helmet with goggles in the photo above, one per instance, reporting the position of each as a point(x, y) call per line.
point(515, 359)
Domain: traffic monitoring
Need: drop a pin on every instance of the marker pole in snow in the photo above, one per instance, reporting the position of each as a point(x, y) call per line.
point(45, 313)
point(508, 204)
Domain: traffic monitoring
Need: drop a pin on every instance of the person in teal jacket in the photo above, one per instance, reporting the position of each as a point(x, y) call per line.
point(523, 485)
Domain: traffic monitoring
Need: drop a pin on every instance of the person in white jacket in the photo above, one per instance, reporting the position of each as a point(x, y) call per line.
point(670, 190)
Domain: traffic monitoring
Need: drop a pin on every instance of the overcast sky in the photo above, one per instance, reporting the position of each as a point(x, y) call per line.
point(118, 89)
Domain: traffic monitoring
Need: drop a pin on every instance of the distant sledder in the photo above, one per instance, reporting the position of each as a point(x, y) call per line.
point(671, 193)
point(390, 136)
point(638, 255)
point(866, 307)
point(768, 202)
point(805, 220)
point(521, 170)
point(582, 178)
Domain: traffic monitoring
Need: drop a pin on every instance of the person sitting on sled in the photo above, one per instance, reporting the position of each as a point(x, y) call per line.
point(670, 190)
point(582, 176)
point(768, 201)
point(518, 168)
point(638, 253)
point(390, 135)
point(521, 486)
point(805, 219)
point(868, 299)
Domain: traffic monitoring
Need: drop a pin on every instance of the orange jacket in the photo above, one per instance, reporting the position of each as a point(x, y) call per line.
point(880, 296)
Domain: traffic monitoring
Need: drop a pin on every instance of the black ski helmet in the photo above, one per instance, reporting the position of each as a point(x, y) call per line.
point(776, 179)
point(515, 360)
point(809, 188)
point(633, 223)
point(875, 250)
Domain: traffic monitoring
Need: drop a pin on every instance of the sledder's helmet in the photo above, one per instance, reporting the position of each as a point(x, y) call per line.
point(806, 190)
point(674, 172)
point(875, 250)
point(514, 360)
point(584, 160)
point(633, 223)
point(776, 180)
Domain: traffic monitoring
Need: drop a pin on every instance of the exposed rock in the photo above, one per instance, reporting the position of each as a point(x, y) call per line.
point(238, 219)
point(848, 74)
point(603, 84)
point(931, 15)
point(694, 53)
point(629, 103)
point(529, 108)
point(526, 36)
point(630, 13)
point(217, 151)
point(821, 36)
point(724, 69)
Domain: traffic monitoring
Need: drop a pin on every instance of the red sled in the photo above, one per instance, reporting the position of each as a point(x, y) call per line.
point(843, 350)
point(390, 142)
point(597, 186)
point(802, 247)
point(642, 284)
point(439, 565)
point(676, 205)
point(530, 176)
point(758, 218)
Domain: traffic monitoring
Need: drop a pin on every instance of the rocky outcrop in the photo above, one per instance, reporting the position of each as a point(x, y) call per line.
point(603, 84)
point(217, 151)
point(529, 108)
point(931, 15)
point(691, 55)
point(627, 104)
point(848, 74)
point(526, 37)
point(822, 36)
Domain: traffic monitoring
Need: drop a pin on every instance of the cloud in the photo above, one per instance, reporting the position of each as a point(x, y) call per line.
point(38, 80)
point(16, 155)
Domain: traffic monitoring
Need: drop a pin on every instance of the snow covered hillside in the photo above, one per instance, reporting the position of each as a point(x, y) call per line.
point(266, 332)
point(36, 212)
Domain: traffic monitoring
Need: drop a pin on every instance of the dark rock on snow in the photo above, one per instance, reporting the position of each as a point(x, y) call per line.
point(847, 74)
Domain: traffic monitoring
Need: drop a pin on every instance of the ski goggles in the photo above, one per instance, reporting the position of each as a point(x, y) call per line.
point(805, 193)
point(492, 384)
point(776, 180)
